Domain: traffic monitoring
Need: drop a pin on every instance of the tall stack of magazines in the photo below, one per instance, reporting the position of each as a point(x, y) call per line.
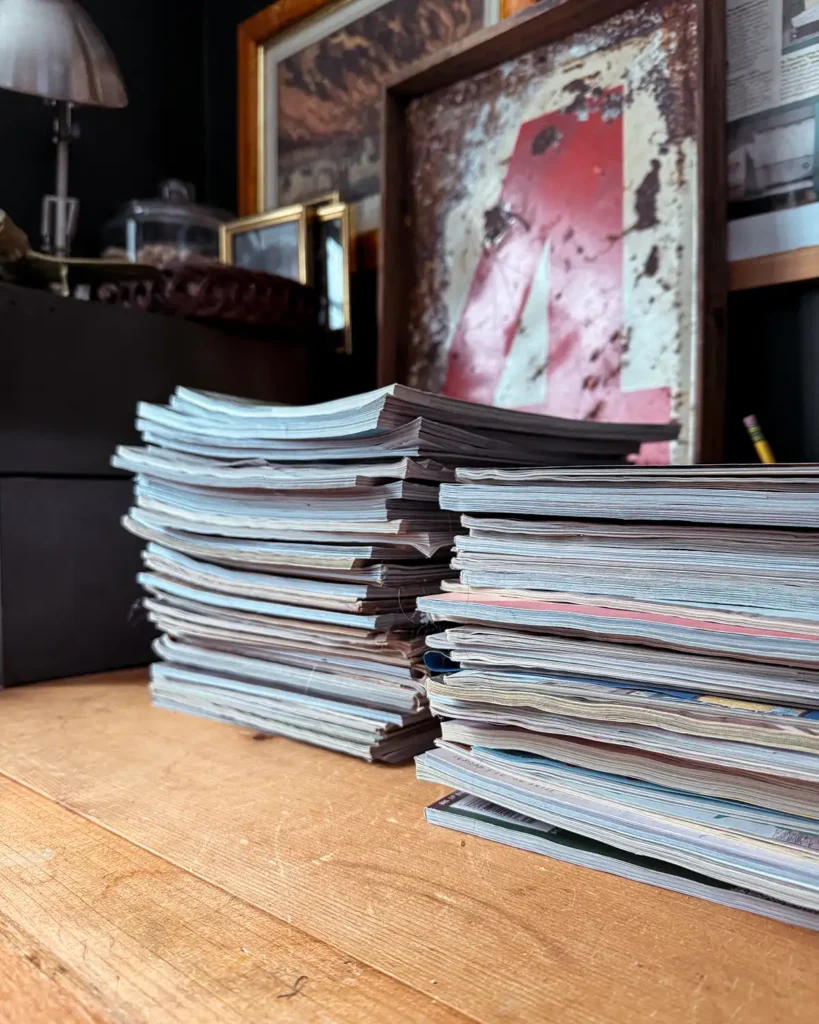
point(287, 546)
point(631, 682)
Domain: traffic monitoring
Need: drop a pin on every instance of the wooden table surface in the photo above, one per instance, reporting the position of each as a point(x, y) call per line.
point(155, 867)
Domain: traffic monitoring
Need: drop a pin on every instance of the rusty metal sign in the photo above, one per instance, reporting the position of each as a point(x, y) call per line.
point(554, 205)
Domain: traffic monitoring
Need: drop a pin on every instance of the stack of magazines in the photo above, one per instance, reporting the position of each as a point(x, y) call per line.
point(631, 680)
point(287, 546)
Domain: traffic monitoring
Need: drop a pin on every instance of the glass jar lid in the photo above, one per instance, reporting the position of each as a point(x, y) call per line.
point(175, 204)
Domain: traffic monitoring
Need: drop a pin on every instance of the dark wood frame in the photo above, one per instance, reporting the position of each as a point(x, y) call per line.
point(485, 50)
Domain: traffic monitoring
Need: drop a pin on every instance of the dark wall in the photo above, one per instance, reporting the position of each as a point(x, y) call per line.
point(773, 371)
point(222, 18)
point(122, 154)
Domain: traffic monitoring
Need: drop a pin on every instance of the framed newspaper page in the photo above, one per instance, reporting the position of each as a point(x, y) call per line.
point(773, 141)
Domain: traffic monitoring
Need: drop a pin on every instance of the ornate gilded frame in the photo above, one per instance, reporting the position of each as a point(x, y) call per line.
point(253, 35)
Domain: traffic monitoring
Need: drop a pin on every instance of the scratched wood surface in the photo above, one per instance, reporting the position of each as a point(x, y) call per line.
point(32, 989)
point(94, 928)
point(339, 850)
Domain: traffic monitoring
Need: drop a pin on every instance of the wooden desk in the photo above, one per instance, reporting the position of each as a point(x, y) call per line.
point(154, 867)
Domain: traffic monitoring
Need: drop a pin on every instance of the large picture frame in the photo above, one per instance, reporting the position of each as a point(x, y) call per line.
point(291, 25)
point(457, 216)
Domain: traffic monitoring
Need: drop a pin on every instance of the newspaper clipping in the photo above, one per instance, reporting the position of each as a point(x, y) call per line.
point(773, 91)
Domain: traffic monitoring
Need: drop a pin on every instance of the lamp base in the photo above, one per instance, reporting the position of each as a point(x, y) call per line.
point(59, 217)
point(49, 222)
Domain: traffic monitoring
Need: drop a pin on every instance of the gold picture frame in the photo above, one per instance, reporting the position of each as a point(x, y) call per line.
point(305, 23)
point(333, 253)
point(325, 199)
point(276, 242)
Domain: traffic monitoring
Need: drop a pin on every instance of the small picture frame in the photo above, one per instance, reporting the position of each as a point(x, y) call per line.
point(332, 235)
point(324, 199)
point(276, 242)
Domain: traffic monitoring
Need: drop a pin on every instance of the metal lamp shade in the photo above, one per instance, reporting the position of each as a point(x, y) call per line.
point(52, 49)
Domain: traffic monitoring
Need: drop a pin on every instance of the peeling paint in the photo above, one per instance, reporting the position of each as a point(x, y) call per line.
point(596, 411)
point(645, 199)
point(652, 264)
point(544, 140)
point(613, 107)
point(635, 70)
point(498, 221)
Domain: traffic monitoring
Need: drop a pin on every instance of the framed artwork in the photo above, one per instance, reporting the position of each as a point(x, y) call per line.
point(310, 81)
point(332, 232)
point(773, 141)
point(554, 229)
point(275, 242)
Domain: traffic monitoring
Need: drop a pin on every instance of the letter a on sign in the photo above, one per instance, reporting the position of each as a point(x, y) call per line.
point(543, 324)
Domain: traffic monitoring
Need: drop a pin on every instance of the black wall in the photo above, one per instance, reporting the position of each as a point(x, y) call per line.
point(222, 18)
point(122, 154)
point(773, 371)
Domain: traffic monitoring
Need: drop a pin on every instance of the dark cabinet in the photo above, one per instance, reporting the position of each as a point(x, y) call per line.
point(71, 374)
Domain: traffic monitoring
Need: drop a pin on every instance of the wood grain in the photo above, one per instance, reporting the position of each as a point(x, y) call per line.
point(510, 7)
point(339, 849)
point(34, 988)
point(531, 29)
point(93, 928)
point(780, 268)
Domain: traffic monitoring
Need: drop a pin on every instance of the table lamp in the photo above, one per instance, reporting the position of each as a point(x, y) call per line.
point(52, 49)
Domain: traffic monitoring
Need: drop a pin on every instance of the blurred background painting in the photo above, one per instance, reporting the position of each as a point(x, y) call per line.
point(323, 86)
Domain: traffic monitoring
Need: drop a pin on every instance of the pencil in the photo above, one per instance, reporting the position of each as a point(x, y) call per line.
point(763, 449)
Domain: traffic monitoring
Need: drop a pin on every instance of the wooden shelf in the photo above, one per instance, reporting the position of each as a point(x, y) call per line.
point(155, 867)
point(781, 268)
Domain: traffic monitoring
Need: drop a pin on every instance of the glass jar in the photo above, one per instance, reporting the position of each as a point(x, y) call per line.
point(169, 228)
